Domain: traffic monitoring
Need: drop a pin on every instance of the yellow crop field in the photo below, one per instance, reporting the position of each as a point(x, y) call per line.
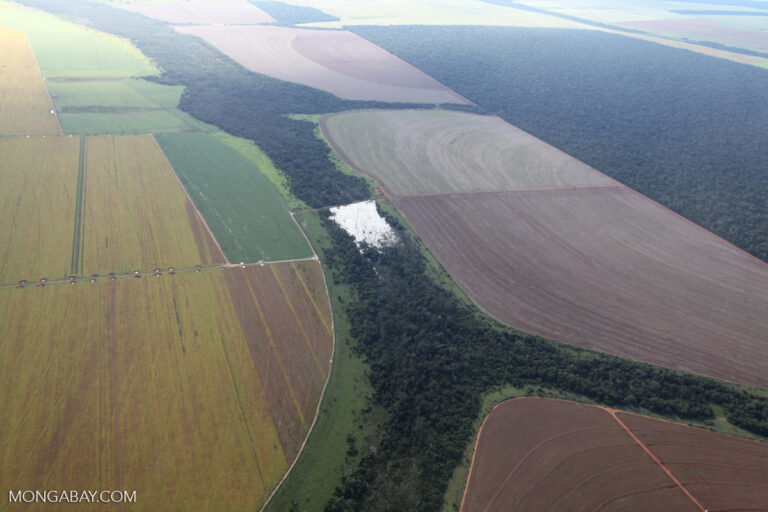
point(136, 214)
point(25, 108)
point(37, 197)
point(94, 205)
point(138, 384)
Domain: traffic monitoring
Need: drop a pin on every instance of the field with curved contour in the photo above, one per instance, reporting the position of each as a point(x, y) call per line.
point(601, 267)
point(338, 62)
point(545, 454)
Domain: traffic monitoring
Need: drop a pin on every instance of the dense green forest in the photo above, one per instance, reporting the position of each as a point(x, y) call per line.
point(288, 14)
point(431, 358)
point(688, 130)
point(430, 355)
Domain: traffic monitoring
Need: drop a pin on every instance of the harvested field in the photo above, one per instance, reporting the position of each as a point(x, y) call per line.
point(154, 385)
point(25, 108)
point(414, 152)
point(606, 269)
point(537, 454)
point(37, 209)
point(285, 317)
point(723, 472)
point(550, 246)
point(137, 215)
point(238, 13)
point(542, 454)
point(705, 30)
point(338, 62)
point(95, 205)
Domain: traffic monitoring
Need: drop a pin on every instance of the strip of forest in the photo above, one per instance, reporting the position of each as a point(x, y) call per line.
point(431, 357)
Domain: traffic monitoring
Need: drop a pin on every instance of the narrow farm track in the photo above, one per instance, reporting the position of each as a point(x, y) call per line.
point(536, 453)
point(138, 274)
point(189, 198)
point(647, 450)
point(78, 238)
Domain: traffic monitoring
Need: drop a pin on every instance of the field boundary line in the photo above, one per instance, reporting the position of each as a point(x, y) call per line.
point(510, 191)
point(189, 198)
point(246, 423)
point(329, 140)
point(45, 85)
point(314, 253)
point(323, 128)
point(686, 219)
point(325, 387)
point(648, 451)
point(474, 454)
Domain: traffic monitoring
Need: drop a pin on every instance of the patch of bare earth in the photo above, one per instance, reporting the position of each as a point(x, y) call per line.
point(723, 472)
point(338, 62)
point(548, 245)
point(288, 341)
point(539, 454)
point(606, 269)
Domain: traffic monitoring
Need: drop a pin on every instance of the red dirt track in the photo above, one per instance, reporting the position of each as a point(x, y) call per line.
point(537, 454)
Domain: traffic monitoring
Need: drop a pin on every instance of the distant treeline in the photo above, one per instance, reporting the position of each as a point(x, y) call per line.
point(221, 92)
point(288, 14)
point(756, 4)
point(688, 130)
point(585, 21)
point(431, 358)
point(719, 13)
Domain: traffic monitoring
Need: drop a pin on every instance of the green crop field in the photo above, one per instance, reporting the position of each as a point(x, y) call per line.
point(244, 209)
point(67, 50)
point(93, 78)
point(119, 106)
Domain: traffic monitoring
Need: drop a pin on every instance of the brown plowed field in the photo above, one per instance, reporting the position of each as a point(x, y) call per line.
point(605, 269)
point(551, 246)
point(338, 62)
point(242, 13)
point(541, 454)
point(413, 152)
point(284, 314)
point(723, 472)
point(705, 30)
point(168, 385)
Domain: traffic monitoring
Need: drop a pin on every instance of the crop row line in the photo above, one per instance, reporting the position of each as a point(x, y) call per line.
point(78, 241)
